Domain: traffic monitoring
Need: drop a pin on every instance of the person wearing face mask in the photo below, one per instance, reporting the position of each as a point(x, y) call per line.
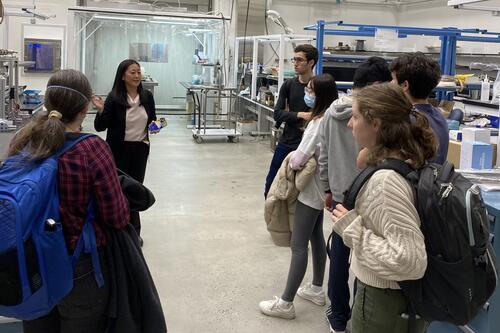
point(292, 109)
point(126, 114)
point(308, 221)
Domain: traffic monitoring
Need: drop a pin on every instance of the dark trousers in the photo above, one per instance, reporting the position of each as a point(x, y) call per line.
point(382, 310)
point(280, 154)
point(83, 310)
point(132, 160)
point(338, 284)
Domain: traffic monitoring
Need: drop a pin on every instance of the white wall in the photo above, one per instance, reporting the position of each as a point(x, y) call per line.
point(299, 14)
point(432, 14)
point(437, 15)
point(15, 33)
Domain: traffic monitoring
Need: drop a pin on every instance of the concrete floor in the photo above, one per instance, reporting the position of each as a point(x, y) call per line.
point(206, 241)
point(205, 238)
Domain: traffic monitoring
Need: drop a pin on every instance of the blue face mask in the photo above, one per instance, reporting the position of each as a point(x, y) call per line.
point(309, 100)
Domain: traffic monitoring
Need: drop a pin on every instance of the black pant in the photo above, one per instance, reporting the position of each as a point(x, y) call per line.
point(83, 310)
point(279, 156)
point(338, 284)
point(132, 160)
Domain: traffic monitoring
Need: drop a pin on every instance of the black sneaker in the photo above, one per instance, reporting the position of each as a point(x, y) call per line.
point(329, 319)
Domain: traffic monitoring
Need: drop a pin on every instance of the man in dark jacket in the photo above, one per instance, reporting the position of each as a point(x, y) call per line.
point(291, 108)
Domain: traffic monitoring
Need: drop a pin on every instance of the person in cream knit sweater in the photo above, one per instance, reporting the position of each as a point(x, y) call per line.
point(383, 229)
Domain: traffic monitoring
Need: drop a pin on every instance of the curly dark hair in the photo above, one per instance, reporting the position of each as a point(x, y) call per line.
point(310, 51)
point(421, 72)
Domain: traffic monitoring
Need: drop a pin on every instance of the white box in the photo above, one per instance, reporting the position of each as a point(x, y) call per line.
point(245, 127)
point(476, 135)
point(455, 135)
point(476, 155)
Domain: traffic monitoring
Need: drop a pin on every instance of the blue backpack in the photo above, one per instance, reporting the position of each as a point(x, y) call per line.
point(36, 269)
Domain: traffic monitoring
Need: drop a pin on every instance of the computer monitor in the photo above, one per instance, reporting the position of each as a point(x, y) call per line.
point(45, 53)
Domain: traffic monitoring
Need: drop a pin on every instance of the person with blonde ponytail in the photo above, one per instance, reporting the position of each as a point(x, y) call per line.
point(383, 229)
point(85, 170)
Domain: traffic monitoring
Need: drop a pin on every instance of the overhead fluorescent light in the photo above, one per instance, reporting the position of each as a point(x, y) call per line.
point(120, 18)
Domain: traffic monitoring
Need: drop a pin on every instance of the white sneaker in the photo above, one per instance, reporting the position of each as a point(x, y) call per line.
point(307, 293)
point(334, 331)
point(273, 309)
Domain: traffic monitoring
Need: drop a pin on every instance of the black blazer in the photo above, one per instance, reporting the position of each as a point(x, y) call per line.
point(113, 118)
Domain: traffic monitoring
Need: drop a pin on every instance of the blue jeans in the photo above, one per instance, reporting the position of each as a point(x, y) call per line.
point(338, 283)
point(280, 154)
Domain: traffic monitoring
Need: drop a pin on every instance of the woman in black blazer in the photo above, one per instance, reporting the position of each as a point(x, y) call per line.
point(126, 114)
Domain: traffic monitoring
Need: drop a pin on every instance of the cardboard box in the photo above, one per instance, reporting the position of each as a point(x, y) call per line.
point(476, 135)
point(476, 155)
point(246, 126)
point(454, 149)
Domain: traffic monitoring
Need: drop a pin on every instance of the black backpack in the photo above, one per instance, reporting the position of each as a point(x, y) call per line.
point(461, 270)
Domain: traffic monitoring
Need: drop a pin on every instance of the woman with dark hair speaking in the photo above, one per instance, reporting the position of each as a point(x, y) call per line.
point(126, 114)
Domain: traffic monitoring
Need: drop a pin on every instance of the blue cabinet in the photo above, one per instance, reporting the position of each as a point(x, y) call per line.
point(488, 319)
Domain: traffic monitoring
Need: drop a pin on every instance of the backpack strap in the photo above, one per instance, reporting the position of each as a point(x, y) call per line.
point(446, 171)
point(70, 143)
point(88, 244)
point(351, 194)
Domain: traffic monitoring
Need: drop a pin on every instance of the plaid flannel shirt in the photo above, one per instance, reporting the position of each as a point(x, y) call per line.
point(88, 168)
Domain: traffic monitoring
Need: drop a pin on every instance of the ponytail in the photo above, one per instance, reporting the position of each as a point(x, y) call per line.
point(423, 135)
point(68, 94)
point(40, 138)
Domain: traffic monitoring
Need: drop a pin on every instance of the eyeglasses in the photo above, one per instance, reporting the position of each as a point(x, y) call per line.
point(298, 60)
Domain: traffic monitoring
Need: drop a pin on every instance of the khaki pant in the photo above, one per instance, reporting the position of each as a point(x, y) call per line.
point(381, 310)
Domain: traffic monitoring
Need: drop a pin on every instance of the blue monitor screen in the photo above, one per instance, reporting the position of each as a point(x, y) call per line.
point(45, 54)
point(42, 55)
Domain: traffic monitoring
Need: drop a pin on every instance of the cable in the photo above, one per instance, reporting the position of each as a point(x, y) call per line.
point(267, 33)
point(2, 12)
point(245, 43)
point(226, 39)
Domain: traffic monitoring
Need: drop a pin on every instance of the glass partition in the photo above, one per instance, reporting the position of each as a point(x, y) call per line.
point(169, 49)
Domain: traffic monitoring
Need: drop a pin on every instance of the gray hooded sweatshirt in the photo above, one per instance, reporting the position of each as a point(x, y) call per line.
point(339, 151)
